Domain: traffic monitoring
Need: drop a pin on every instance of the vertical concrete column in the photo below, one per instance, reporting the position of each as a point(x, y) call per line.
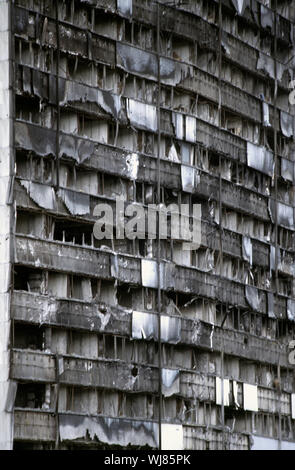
point(6, 224)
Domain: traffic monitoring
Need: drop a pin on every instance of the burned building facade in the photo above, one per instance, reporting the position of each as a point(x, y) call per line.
point(140, 343)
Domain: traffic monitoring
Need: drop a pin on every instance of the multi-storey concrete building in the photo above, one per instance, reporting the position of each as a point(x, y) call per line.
point(139, 342)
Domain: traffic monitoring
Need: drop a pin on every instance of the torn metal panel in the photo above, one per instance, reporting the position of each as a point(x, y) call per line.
point(250, 395)
point(240, 6)
point(285, 214)
point(78, 149)
point(108, 430)
point(235, 394)
point(186, 153)
point(177, 120)
point(11, 394)
point(42, 195)
point(287, 122)
point(132, 162)
point(170, 329)
point(188, 178)
point(174, 72)
point(37, 139)
point(247, 249)
point(145, 326)
point(190, 129)
point(61, 365)
point(170, 382)
point(265, 113)
point(260, 159)
point(172, 436)
point(272, 258)
point(39, 85)
point(226, 391)
point(253, 297)
point(125, 7)
point(173, 155)
point(149, 273)
point(287, 169)
point(78, 92)
point(291, 310)
point(266, 17)
point(270, 305)
point(114, 266)
point(137, 61)
point(266, 64)
point(76, 203)
point(141, 115)
point(224, 42)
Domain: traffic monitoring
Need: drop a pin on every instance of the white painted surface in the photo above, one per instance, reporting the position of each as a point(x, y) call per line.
point(172, 437)
point(250, 397)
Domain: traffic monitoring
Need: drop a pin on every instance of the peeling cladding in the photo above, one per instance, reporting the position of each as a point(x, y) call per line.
point(270, 305)
point(142, 115)
point(266, 64)
point(291, 309)
point(76, 148)
point(42, 195)
point(287, 169)
point(267, 17)
point(247, 249)
point(265, 111)
point(241, 5)
point(253, 297)
point(285, 214)
point(190, 178)
point(37, 139)
point(108, 430)
point(77, 203)
point(77, 92)
point(287, 124)
point(145, 325)
point(149, 274)
point(137, 61)
point(125, 7)
point(170, 382)
point(132, 162)
point(260, 159)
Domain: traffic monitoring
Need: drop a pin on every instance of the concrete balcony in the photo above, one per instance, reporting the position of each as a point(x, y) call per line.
point(37, 309)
